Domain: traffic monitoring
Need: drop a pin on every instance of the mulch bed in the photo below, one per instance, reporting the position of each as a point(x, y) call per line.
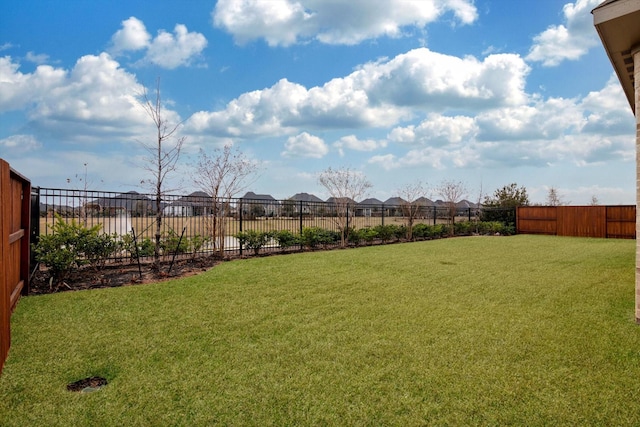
point(126, 273)
point(119, 274)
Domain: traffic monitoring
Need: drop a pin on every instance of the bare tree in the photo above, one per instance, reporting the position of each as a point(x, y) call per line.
point(222, 176)
point(85, 183)
point(594, 200)
point(162, 158)
point(554, 198)
point(345, 186)
point(451, 192)
point(410, 203)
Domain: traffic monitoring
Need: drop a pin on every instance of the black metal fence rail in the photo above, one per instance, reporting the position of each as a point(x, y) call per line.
point(195, 217)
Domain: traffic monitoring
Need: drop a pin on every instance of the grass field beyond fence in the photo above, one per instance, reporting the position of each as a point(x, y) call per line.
point(523, 330)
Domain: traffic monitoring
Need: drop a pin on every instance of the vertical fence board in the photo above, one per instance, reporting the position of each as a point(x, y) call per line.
point(5, 224)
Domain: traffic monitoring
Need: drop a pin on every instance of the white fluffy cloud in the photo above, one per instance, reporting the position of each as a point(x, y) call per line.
point(431, 80)
point(132, 36)
point(19, 90)
point(166, 50)
point(285, 22)
point(171, 51)
point(305, 145)
point(436, 130)
point(352, 142)
point(97, 94)
point(548, 119)
point(590, 130)
point(607, 110)
point(96, 100)
point(568, 41)
point(378, 94)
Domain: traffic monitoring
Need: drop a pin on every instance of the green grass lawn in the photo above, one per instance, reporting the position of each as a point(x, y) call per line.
point(523, 330)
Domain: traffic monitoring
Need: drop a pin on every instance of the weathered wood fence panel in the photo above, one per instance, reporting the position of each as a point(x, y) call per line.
point(15, 195)
point(581, 221)
point(536, 220)
point(621, 222)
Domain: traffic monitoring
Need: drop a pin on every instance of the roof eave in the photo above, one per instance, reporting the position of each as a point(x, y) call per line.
point(618, 25)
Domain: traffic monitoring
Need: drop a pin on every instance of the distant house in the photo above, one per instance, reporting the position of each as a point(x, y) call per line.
point(197, 203)
point(465, 204)
point(393, 206)
point(425, 207)
point(309, 204)
point(257, 205)
point(423, 201)
point(130, 203)
point(397, 206)
point(369, 207)
point(334, 204)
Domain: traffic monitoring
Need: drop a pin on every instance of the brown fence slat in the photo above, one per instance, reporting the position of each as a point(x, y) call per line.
point(5, 227)
point(15, 192)
point(580, 221)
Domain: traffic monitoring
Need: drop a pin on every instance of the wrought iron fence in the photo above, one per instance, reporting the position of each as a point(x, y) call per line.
point(206, 225)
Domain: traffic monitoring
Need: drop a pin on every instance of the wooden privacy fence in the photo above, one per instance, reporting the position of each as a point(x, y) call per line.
point(617, 222)
point(15, 200)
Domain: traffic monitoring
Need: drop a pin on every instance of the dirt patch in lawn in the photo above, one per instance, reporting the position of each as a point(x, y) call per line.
point(87, 384)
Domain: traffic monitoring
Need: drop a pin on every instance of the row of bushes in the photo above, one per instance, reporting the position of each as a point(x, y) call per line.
point(71, 245)
point(315, 237)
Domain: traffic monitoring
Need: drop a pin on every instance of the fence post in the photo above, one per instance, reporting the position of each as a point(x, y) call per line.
point(239, 222)
point(35, 224)
point(346, 231)
point(301, 219)
point(435, 213)
point(383, 214)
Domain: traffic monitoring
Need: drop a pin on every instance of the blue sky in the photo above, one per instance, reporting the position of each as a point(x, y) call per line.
point(485, 92)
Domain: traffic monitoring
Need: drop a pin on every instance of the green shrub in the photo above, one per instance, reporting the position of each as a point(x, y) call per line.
point(100, 247)
point(145, 246)
point(421, 231)
point(172, 243)
point(71, 245)
point(489, 227)
point(56, 254)
point(329, 237)
point(312, 237)
point(253, 239)
point(463, 228)
point(437, 231)
point(196, 243)
point(369, 234)
point(355, 237)
point(384, 232)
point(400, 231)
point(286, 239)
point(503, 215)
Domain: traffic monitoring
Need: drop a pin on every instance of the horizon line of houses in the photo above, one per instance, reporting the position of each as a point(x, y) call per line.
point(199, 203)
